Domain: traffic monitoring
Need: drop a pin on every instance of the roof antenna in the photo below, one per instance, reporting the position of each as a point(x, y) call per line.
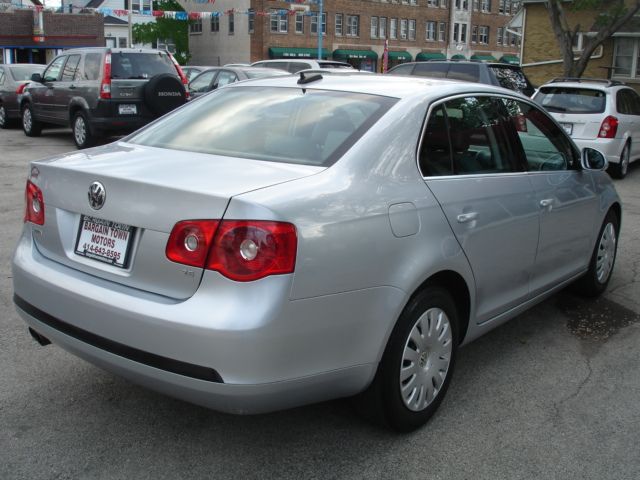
point(308, 79)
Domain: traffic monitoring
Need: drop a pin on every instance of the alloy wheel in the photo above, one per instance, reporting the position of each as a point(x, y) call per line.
point(27, 121)
point(606, 253)
point(426, 359)
point(3, 116)
point(80, 130)
point(624, 160)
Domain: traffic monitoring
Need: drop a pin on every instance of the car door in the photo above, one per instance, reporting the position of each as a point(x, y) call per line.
point(467, 160)
point(43, 94)
point(225, 77)
point(202, 83)
point(565, 197)
point(65, 89)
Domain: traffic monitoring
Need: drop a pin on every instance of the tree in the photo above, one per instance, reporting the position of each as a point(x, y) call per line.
point(166, 29)
point(610, 16)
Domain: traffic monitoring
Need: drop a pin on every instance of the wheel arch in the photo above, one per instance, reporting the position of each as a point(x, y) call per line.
point(76, 105)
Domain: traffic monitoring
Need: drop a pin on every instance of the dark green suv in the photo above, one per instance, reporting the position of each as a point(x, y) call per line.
point(102, 91)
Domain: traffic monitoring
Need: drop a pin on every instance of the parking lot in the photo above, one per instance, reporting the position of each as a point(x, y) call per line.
point(551, 394)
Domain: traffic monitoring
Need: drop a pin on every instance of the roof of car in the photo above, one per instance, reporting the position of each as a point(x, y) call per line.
point(383, 85)
point(600, 83)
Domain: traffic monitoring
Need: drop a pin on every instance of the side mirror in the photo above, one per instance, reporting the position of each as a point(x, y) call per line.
point(592, 159)
point(36, 77)
point(214, 86)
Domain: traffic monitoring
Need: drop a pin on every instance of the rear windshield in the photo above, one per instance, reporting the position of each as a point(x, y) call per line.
point(24, 72)
point(571, 100)
point(262, 72)
point(291, 125)
point(513, 79)
point(432, 70)
point(136, 65)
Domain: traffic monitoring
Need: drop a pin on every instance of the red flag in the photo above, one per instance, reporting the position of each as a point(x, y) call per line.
point(385, 56)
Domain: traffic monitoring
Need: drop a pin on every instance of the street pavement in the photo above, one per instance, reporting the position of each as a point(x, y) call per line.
point(553, 394)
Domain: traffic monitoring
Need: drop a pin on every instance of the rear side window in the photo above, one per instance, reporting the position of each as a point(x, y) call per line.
point(92, 63)
point(432, 70)
point(69, 71)
point(294, 67)
point(628, 102)
point(402, 70)
point(465, 136)
point(513, 79)
point(464, 71)
point(312, 127)
point(571, 100)
point(136, 65)
point(280, 65)
point(1, 76)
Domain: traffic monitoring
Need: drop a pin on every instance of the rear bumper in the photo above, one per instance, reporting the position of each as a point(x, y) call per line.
point(215, 349)
point(106, 117)
point(611, 148)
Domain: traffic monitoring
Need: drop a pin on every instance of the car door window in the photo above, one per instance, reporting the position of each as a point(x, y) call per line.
point(1, 76)
point(635, 102)
point(546, 146)
point(70, 68)
point(402, 70)
point(622, 102)
point(432, 70)
point(201, 82)
point(435, 154)
point(226, 77)
point(464, 71)
point(52, 73)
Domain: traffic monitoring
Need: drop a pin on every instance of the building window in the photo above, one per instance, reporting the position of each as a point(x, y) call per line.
point(432, 3)
point(353, 25)
point(499, 35)
point(485, 6)
point(338, 24)
point(279, 23)
point(393, 28)
point(444, 3)
point(625, 58)
point(299, 22)
point(462, 4)
point(383, 27)
point(135, 5)
point(460, 32)
point(430, 30)
point(252, 20)
point(314, 24)
point(483, 34)
point(215, 23)
point(463, 33)
point(374, 27)
point(122, 42)
point(232, 24)
point(412, 29)
point(403, 29)
point(442, 32)
point(474, 34)
point(195, 26)
point(476, 5)
point(504, 7)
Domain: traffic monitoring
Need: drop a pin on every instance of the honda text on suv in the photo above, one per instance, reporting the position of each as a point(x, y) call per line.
point(102, 91)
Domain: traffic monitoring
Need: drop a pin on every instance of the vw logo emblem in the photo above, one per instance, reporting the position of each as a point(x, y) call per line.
point(97, 195)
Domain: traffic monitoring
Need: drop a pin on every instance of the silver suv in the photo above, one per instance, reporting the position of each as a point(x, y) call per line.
point(102, 91)
point(601, 114)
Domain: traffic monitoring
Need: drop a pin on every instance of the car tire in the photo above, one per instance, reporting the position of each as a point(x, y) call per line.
point(417, 365)
point(603, 258)
point(619, 170)
point(30, 126)
point(5, 122)
point(83, 136)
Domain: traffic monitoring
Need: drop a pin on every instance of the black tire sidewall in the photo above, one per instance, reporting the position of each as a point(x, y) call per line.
point(36, 128)
point(396, 413)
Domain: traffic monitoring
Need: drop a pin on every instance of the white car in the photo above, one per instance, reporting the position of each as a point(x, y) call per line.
point(294, 65)
point(600, 114)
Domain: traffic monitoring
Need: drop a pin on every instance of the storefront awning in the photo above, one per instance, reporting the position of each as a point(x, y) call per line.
point(512, 59)
point(458, 56)
point(484, 58)
point(424, 56)
point(341, 54)
point(402, 56)
point(293, 52)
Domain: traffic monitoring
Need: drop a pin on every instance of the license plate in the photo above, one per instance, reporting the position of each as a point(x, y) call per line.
point(126, 109)
point(104, 240)
point(568, 127)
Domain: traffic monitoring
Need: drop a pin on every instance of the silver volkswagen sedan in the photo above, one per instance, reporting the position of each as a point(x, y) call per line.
point(295, 239)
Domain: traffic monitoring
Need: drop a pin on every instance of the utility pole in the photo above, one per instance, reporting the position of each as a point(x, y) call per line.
point(320, 2)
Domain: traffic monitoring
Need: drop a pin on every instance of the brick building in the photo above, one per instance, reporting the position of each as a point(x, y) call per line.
point(33, 35)
point(618, 58)
point(353, 30)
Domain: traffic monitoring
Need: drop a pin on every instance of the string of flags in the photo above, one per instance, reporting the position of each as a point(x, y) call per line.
point(203, 15)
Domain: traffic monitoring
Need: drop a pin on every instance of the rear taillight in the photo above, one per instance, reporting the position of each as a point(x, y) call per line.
point(609, 127)
point(242, 250)
point(34, 204)
point(183, 77)
point(21, 88)
point(105, 85)
point(190, 241)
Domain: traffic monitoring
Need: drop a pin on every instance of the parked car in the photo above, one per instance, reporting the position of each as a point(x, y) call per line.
point(192, 71)
point(294, 239)
point(102, 91)
point(602, 114)
point(295, 65)
point(13, 78)
point(499, 74)
point(215, 77)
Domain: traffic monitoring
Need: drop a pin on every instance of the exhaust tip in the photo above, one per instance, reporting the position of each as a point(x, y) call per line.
point(42, 340)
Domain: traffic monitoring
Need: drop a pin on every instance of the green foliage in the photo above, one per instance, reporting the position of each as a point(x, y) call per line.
point(166, 29)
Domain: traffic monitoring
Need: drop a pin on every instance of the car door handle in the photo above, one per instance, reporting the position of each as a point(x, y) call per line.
point(546, 203)
point(467, 217)
point(72, 87)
